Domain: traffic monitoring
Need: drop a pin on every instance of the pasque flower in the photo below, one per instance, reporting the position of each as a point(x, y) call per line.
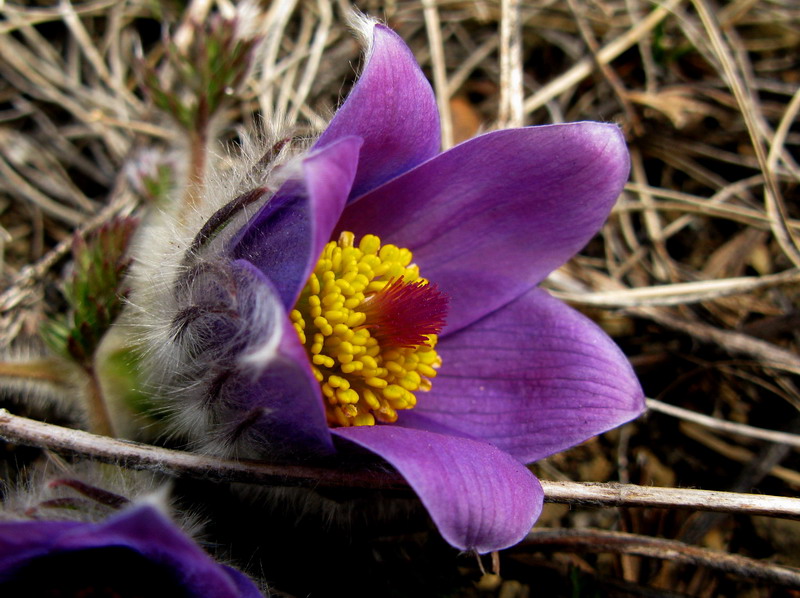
point(386, 297)
point(136, 553)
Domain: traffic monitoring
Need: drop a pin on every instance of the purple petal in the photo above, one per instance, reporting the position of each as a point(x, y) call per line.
point(533, 378)
point(479, 497)
point(271, 403)
point(490, 218)
point(286, 237)
point(393, 109)
point(143, 530)
point(20, 540)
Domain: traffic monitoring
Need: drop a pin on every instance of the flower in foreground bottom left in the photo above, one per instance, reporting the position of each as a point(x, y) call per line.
point(135, 551)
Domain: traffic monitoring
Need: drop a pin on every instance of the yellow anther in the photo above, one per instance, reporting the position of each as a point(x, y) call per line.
point(394, 367)
point(319, 339)
point(338, 382)
point(410, 381)
point(313, 284)
point(335, 317)
point(369, 362)
point(364, 419)
point(323, 326)
point(314, 309)
point(370, 244)
point(426, 370)
point(386, 414)
point(347, 396)
point(356, 318)
point(343, 331)
point(393, 391)
point(363, 376)
point(323, 360)
point(336, 416)
point(370, 399)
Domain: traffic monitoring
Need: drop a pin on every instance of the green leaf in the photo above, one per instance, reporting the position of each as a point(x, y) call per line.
point(94, 292)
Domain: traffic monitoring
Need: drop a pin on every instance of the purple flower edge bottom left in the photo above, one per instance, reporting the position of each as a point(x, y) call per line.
point(137, 553)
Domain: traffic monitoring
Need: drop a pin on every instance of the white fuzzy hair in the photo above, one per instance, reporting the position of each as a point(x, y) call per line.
point(163, 257)
point(362, 26)
point(30, 497)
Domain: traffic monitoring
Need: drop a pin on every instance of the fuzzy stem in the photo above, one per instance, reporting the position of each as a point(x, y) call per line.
point(198, 146)
point(99, 416)
point(198, 156)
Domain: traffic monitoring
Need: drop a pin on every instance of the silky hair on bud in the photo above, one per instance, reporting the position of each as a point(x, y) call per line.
point(56, 490)
point(183, 285)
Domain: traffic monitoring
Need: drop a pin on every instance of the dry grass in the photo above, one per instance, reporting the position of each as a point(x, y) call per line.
point(695, 274)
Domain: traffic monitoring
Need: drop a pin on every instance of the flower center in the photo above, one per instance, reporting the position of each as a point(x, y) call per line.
point(369, 323)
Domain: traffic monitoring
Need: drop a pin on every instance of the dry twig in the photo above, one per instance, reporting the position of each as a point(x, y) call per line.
point(29, 432)
point(593, 540)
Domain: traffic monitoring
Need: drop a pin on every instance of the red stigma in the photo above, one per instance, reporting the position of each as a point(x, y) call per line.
point(402, 314)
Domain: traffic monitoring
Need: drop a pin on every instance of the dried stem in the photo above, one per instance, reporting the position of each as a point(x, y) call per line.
point(744, 97)
point(29, 432)
point(605, 55)
point(593, 540)
point(682, 293)
point(722, 425)
point(510, 112)
point(768, 354)
point(434, 28)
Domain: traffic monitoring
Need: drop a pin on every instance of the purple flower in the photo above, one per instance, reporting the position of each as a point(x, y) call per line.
point(137, 552)
point(518, 375)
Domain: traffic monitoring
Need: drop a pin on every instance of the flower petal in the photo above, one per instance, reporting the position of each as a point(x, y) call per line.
point(20, 540)
point(490, 218)
point(478, 496)
point(533, 378)
point(393, 108)
point(143, 530)
point(284, 240)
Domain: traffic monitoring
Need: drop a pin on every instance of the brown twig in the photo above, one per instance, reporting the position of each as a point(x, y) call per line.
point(593, 540)
point(682, 293)
point(135, 455)
point(510, 113)
point(434, 29)
point(724, 426)
point(604, 55)
point(768, 354)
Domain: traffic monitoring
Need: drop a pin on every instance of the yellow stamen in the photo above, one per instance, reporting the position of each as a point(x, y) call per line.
point(369, 324)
